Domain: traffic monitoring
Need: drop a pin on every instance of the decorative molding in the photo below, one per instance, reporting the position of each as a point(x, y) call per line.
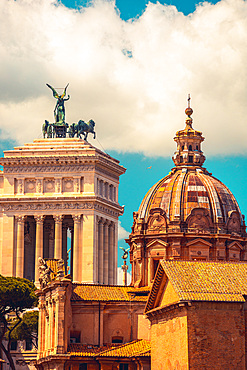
point(76, 185)
point(39, 186)
point(63, 205)
point(20, 188)
point(58, 187)
point(47, 168)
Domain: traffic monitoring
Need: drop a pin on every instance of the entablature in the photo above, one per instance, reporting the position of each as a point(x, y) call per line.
point(10, 206)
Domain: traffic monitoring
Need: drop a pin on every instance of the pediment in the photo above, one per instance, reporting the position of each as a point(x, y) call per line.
point(235, 246)
point(199, 242)
point(157, 243)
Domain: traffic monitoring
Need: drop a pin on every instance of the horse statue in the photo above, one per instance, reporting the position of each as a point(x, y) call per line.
point(72, 130)
point(84, 128)
point(47, 129)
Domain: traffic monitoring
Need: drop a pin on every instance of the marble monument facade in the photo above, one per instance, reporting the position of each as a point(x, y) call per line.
point(52, 189)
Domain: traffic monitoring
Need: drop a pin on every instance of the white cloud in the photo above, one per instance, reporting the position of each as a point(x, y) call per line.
point(120, 277)
point(122, 233)
point(131, 77)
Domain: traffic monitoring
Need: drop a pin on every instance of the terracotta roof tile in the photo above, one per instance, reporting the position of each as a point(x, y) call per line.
point(90, 292)
point(77, 349)
point(207, 281)
point(137, 348)
point(133, 349)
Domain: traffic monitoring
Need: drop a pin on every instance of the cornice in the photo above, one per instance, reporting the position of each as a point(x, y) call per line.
point(62, 204)
point(50, 163)
point(134, 237)
point(160, 311)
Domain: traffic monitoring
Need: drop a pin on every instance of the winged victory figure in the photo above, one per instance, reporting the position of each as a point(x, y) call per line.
point(59, 111)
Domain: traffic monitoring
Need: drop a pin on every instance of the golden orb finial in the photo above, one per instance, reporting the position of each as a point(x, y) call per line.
point(188, 110)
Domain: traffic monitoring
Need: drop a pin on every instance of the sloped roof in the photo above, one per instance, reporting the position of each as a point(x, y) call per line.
point(91, 292)
point(202, 281)
point(136, 348)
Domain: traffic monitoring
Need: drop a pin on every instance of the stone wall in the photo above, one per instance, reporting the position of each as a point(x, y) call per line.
point(169, 340)
point(198, 335)
point(216, 336)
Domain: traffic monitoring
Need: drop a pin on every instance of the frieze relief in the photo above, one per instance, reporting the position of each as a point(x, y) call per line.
point(157, 220)
point(30, 185)
point(58, 185)
point(233, 223)
point(68, 185)
point(49, 185)
point(199, 221)
point(76, 185)
point(39, 185)
point(20, 188)
point(57, 206)
point(47, 168)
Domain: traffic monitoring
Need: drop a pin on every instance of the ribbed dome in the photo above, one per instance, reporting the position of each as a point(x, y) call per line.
point(187, 215)
point(185, 189)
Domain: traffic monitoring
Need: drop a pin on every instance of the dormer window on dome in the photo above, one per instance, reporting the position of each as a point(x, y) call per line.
point(188, 141)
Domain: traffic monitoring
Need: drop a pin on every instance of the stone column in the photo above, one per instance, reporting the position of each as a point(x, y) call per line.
point(106, 253)
point(111, 256)
point(58, 236)
point(20, 246)
point(100, 251)
point(39, 244)
point(76, 247)
point(64, 246)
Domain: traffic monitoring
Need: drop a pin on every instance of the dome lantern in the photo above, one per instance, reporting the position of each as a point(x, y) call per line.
point(188, 141)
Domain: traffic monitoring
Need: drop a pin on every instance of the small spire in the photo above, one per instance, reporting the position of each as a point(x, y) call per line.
point(189, 110)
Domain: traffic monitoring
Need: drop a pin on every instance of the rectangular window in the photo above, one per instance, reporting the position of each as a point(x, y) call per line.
point(29, 345)
point(124, 367)
point(190, 158)
point(83, 367)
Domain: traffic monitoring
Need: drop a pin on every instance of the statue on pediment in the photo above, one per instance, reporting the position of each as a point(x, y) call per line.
point(59, 111)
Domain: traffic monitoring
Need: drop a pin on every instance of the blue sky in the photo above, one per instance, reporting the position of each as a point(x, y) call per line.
point(138, 178)
point(130, 68)
point(131, 9)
